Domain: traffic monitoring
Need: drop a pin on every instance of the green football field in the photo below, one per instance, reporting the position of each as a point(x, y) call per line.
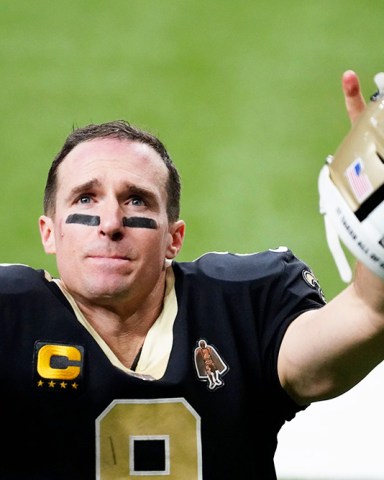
point(246, 96)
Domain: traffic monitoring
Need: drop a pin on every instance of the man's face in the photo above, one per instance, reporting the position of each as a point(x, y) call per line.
point(110, 231)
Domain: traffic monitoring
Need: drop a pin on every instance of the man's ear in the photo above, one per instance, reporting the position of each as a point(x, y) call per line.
point(47, 234)
point(176, 232)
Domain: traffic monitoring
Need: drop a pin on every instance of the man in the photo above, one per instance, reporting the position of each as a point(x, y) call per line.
point(106, 371)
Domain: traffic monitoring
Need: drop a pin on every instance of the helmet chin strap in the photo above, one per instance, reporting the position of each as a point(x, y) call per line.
point(332, 236)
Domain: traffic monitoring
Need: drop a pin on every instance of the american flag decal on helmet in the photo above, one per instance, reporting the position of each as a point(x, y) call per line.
point(358, 180)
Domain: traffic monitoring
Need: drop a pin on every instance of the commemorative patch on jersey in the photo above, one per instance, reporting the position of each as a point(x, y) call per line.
point(312, 281)
point(58, 367)
point(210, 366)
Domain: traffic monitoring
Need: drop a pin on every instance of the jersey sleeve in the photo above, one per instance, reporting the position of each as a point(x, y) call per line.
point(290, 291)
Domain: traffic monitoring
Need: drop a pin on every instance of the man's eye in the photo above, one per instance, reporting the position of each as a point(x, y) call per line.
point(137, 202)
point(84, 199)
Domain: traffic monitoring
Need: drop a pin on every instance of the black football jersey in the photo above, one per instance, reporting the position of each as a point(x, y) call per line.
point(69, 413)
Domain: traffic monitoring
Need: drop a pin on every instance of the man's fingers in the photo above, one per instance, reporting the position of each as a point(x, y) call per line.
point(354, 100)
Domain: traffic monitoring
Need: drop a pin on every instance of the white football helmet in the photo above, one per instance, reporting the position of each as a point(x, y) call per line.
point(351, 187)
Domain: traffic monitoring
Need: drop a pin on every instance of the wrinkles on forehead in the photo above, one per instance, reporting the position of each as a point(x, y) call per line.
point(105, 166)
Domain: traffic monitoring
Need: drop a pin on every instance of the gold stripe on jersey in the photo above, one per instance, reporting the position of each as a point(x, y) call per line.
point(158, 342)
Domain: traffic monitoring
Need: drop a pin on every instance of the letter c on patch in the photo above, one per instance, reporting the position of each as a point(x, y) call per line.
point(70, 356)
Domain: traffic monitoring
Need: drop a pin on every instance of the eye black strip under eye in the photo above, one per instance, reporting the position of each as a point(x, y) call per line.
point(91, 220)
point(139, 222)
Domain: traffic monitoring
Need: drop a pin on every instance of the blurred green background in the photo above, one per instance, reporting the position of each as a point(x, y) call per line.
point(246, 95)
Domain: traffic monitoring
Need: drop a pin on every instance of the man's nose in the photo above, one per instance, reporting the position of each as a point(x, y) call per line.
point(111, 221)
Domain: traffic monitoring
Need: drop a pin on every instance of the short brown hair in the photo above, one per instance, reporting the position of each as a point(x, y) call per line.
point(122, 130)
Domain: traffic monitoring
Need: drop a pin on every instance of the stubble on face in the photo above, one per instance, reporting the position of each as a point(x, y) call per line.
point(93, 265)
